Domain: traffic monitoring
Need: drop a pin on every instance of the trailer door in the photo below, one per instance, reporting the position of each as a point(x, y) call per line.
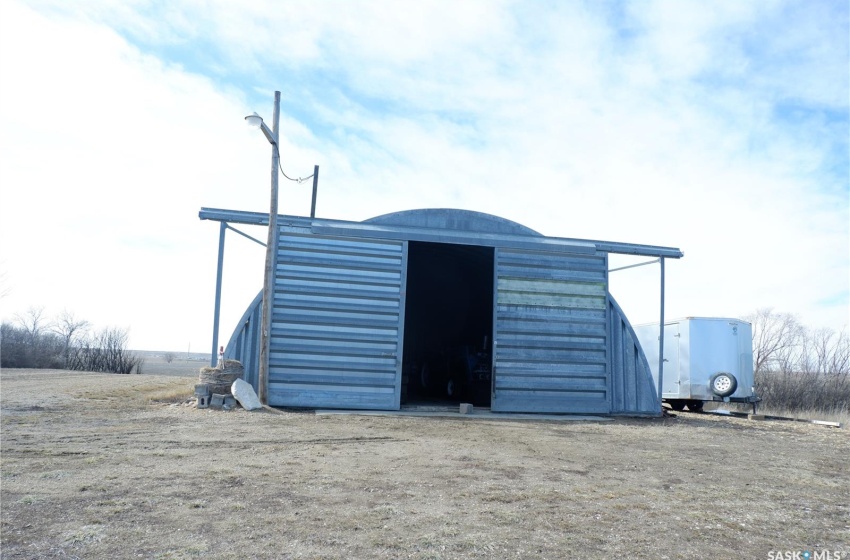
point(674, 386)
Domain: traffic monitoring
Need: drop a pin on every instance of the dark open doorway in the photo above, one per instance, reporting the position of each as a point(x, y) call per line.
point(448, 324)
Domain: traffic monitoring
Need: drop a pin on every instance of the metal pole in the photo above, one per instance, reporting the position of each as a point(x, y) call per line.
point(315, 190)
point(214, 354)
point(271, 250)
point(661, 340)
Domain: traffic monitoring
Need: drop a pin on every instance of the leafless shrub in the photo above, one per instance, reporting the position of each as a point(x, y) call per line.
point(69, 328)
point(800, 391)
point(28, 343)
point(169, 357)
point(16, 348)
point(105, 351)
point(800, 369)
point(33, 341)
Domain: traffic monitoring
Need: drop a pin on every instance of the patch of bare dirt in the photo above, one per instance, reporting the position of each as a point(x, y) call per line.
point(92, 467)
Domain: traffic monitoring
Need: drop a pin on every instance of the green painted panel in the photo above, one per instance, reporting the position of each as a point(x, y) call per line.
point(552, 286)
point(551, 300)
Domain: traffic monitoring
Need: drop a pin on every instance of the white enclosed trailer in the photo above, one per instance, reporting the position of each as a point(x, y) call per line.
point(705, 359)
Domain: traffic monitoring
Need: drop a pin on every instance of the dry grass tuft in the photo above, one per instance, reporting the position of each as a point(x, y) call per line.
point(171, 394)
point(804, 391)
point(831, 415)
point(143, 390)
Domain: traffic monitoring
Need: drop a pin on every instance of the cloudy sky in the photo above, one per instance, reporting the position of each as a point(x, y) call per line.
point(718, 127)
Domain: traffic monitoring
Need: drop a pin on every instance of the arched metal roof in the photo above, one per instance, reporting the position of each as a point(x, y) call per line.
point(452, 219)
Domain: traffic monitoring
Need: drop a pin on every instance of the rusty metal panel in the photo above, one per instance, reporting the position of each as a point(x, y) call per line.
point(550, 342)
point(338, 316)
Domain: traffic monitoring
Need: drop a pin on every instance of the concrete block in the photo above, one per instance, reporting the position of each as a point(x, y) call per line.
point(203, 401)
point(755, 416)
point(465, 408)
point(229, 403)
point(202, 389)
point(217, 401)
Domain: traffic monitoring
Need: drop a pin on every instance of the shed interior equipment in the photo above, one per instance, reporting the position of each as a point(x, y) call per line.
point(448, 324)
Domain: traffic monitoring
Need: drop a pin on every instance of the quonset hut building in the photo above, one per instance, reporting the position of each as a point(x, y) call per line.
point(442, 305)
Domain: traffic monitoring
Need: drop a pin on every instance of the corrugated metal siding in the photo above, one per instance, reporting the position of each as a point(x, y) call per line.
point(562, 344)
point(244, 344)
point(633, 390)
point(550, 351)
point(337, 322)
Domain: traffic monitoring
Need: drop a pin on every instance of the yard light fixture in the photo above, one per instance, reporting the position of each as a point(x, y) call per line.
point(256, 121)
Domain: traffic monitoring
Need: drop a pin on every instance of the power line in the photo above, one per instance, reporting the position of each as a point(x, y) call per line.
point(299, 179)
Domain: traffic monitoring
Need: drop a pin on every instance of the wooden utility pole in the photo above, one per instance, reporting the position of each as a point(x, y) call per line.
point(271, 257)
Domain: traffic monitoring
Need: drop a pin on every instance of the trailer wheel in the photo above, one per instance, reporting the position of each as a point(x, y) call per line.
point(723, 384)
point(695, 406)
point(677, 405)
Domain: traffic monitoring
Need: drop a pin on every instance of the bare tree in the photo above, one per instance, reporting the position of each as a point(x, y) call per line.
point(169, 357)
point(69, 328)
point(14, 347)
point(37, 346)
point(839, 359)
point(826, 352)
point(33, 322)
point(797, 368)
point(105, 351)
point(5, 289)
point(776, 339)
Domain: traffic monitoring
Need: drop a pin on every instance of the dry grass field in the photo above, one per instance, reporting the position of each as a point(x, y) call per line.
point(109, 466)
point(182, 363)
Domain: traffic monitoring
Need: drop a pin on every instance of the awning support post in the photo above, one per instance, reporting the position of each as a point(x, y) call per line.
point(661, 340)
point(216, 313)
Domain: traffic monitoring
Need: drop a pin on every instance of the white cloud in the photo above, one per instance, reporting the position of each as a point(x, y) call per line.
point(665, 124)
point(107, 156)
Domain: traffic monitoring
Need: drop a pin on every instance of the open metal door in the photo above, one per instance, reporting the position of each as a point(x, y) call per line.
point(550, 332)
point(337, 324)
